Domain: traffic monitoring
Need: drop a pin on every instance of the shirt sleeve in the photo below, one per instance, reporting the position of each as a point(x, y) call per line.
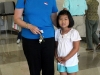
point(75, 36)
point(54, 8)
point(66, 4)
point(85, 3)
point(20, 4)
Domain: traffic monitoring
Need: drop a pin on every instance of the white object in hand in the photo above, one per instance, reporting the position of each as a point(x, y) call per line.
point(41, 31)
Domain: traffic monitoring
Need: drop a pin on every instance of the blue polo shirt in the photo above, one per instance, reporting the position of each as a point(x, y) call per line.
point(38, 13)
point(75, 7)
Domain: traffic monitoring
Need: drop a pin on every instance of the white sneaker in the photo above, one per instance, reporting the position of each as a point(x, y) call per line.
point(18, 41)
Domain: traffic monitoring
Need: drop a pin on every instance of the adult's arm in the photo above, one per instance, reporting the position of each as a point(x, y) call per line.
point(17, 19)
point(18, 16)
point(54, 17)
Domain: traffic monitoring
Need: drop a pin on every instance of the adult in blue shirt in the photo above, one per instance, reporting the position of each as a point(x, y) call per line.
point(39, 18)
point(77, 9)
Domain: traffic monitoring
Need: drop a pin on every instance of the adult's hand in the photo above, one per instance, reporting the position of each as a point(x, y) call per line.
point(34, 29)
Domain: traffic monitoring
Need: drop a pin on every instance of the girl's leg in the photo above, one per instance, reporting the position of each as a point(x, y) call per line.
point(63, 73)
point(72, 70)
point(72, 73)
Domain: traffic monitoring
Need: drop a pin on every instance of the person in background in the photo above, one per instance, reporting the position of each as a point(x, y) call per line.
point(77, 9)
point(91, 21)
point(19, 37)
point(17, 28)
point(67, 41)
point(37, 33)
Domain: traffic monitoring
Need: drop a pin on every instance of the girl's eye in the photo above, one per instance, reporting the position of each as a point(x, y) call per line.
point(66, 18)
point(60, 19)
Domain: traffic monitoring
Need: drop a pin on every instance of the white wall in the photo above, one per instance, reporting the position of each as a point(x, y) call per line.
point(2, 0)
point(7, 0)
point(11, 0)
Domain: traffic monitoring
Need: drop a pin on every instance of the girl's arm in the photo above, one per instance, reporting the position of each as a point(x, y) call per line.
point(75, 49)
point(56, 55)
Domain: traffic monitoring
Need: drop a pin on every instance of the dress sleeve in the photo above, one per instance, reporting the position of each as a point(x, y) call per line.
point(54, 8)
point(56, 35)
point(75, 36)
point(20, 4)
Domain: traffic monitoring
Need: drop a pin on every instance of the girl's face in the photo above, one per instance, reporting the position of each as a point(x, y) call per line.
point(63, 21)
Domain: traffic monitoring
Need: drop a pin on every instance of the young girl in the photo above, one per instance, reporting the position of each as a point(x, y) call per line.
point(68, 41)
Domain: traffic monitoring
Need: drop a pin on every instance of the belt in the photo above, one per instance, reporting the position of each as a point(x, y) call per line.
point(77, 15)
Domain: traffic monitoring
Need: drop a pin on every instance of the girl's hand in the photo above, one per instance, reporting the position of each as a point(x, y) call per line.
point(34, 29)
point(58, 59)
point(63, 60)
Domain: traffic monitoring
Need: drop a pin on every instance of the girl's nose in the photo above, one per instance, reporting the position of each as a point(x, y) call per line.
point(63, 21)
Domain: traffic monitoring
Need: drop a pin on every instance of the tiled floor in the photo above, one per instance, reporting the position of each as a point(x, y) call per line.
point(13, 62)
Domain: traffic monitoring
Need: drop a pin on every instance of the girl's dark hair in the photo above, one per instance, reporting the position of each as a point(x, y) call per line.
point(65, 12)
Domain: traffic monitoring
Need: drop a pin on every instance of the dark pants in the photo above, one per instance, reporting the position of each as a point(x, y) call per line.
point(91, 28)
point(39, 56)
